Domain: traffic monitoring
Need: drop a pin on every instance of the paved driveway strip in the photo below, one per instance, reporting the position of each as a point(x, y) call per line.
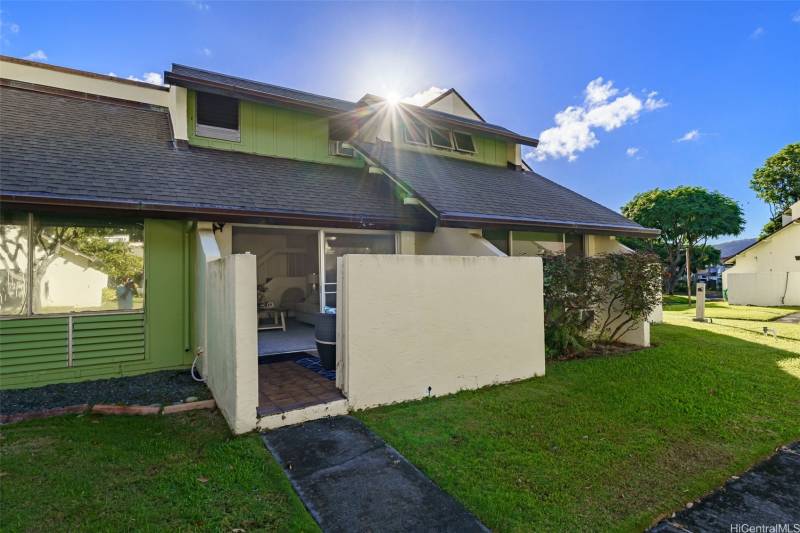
point(351, 480)
point(766, 495)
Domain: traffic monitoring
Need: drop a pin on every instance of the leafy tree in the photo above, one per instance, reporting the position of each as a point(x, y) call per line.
point(778, 184)
point(687, 217)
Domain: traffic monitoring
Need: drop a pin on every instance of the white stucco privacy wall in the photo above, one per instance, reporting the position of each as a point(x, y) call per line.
point(763, 288)
point(232, 352)
point(767, 273)
point(413, 325)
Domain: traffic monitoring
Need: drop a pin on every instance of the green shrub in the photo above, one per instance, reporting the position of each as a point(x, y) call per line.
point(590, 300)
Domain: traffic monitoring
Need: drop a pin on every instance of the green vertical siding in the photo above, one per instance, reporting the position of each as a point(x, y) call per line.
point(33, 351)
point(276, 132)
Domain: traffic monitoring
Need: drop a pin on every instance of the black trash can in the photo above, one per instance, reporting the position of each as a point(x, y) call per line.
point(325, 335)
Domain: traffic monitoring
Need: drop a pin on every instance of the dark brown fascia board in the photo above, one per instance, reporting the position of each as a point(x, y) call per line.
point(248, 94)
point(510, 223)
point(84, 73)
point(453, 90)
point(217, 214)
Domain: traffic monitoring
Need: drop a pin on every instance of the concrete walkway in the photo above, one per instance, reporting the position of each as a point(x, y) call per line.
point(351, 480)
point(767, 495)
point(794, 318)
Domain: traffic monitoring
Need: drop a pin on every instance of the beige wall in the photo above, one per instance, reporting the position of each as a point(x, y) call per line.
point(604, 244)
point(406, 323)
point(455, 241)
point(232, 355)
point(455, 106)
point(767, 273)
point(173, 98)
point(763, 288)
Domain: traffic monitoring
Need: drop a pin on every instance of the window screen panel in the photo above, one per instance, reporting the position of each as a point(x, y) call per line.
point(464, 142)
point(415, 131)
point(441, 138)
point(218, 111)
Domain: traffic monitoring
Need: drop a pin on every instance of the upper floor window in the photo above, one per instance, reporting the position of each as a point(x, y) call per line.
point(415, 132)
point(441, 138)
point(464, 142)
point(217, 117)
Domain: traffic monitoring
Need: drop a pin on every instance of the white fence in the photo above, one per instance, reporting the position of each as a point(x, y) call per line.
point(763, 288)
point(413, 326)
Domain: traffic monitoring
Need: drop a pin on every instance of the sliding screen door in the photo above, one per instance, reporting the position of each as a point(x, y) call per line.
point(339, 244)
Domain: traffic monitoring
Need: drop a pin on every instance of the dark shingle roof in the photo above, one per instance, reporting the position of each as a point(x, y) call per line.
point(66, 148)
point(180, 73)
point(200, 79)
point(463, 191)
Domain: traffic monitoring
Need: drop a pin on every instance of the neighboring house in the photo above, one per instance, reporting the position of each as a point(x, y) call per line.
point(262, 204)
point(768, 271)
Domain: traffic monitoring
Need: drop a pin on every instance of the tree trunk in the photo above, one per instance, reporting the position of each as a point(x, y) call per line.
point(689, 273)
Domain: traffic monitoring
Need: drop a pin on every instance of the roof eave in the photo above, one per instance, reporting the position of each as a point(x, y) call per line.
point(216, 213)
point(466, 220)
point(190, 82)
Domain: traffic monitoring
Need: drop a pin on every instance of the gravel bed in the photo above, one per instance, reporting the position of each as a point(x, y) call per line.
point(165, 387)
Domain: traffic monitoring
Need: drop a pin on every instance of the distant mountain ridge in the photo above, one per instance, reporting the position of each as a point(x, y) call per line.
point(731, 248)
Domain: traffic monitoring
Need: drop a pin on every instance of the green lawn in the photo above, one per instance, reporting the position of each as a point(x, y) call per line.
point(614, 442)
point(149, 473)
point(679, 305)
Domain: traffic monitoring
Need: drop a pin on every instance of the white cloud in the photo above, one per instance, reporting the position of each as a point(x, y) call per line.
point(149, 77)
point(689, 136)
point(198, 5)
point(758, 32)
point(38, 55)
point(796, 16)
point(632, 151)
point(652, 102)
point(206, 52)
point(598, 92)
point(13, 28)
point(603, 108)
point(423, 97)
point(112, 74)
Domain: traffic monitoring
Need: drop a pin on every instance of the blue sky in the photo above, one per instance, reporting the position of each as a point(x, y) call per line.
point(728, 71)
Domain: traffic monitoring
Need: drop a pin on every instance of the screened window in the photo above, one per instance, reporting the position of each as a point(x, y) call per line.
point(339, 244)
point(530, 243)
point(498, 237)
point(441, 138)
point(77, 265)
point(217, 116)
point(464, 142)
point(573, 245)
point(415, 131)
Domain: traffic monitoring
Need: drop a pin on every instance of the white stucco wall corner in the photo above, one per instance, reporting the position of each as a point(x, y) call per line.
point(232, 339)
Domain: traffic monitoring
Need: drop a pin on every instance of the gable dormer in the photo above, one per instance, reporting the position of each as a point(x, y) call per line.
point(453, 103)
